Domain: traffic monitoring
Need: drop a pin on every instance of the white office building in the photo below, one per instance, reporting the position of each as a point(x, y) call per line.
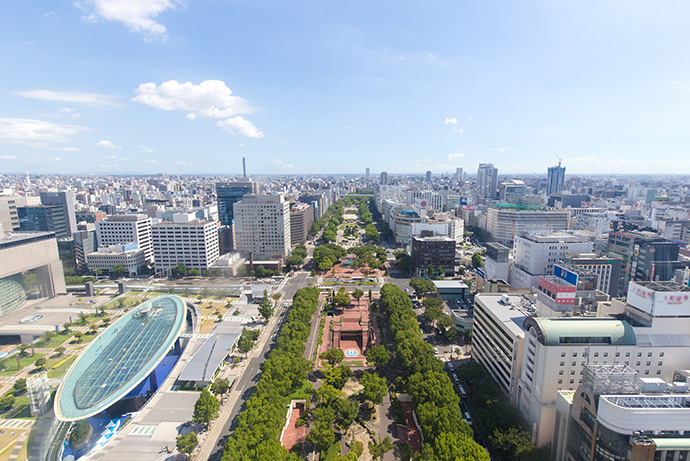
point(535, 255)
point(124, 229)
point(128, 256)
point(262, 226)
point(194, 244)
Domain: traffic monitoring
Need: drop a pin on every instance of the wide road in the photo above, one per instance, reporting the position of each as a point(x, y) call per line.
point(252, 373)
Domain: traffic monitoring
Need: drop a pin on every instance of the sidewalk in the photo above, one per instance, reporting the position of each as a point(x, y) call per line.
point(215, 433)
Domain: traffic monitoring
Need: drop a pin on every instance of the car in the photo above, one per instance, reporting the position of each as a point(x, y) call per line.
point(436, 349)
point(450, 366)
point(468, 418)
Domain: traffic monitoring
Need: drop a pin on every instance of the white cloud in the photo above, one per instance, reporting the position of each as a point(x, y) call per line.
point(108, 144)
point(241, 127)
point(7, 157)
point(146, 149)
point(451, 121)
point(73, 97)
point(209, 99)
point(70, 113)
point(137, 15)
point(57, 159)
point(37, 133)
point(283, 165)
point(456, 156)
point(112, 165)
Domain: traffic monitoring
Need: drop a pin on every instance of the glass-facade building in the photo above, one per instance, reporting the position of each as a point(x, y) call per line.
point(230, 193)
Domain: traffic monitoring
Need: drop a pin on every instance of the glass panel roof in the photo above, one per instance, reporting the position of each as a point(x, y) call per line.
point(120, 358)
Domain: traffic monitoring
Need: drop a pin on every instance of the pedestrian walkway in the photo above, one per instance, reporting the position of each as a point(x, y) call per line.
point(143, 430)
point(18, 446)
point(16, 423)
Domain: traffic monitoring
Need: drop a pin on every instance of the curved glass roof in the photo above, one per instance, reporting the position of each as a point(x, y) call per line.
point(120, 358)
point(582, 330)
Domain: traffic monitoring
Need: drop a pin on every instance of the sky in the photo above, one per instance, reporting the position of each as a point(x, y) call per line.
point(172, 86)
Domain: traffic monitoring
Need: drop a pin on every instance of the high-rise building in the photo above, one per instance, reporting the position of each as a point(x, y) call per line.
point(487, 181)
point(384, 178)
point(437, 251)
point(128, 228)
point(9, 218)
point(46, 218)
point(262, 226)
point(230, 193)
point(459, 175)
point(510, 191)
point(427, 178)
point(367, 174)
point(193, 243)
point(505, 223)
point(536, 255)
point(64, 199)
point(84, 243)
point(301, 220)
point(555, 179)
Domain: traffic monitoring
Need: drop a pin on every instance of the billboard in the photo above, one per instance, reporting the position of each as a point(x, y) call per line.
point(565, 274)
point(659, 303)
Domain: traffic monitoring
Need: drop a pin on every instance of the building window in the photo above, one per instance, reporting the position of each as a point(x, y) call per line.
point(560, 372)
point(562, 363)
point(596, 354)
point(646, 372)
point(560, 381)
point(627, 354)
point(572, 381)
point(639, 354)
point(606, 354)
point(618, 354)
point(661, 354)
point(562, 354)
point(649, 363)
point(574, 354)
point(637, 364)
point(649, 354)
point(658, 372)
point(661, 363)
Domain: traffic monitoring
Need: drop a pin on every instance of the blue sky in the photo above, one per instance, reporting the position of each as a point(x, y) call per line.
point(147, 86)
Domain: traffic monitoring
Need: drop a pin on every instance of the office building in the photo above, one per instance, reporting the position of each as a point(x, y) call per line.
point(555, 179)
point(367, 174)
point(31, 267)
point(384, 178)
point(44, 218)
point(427, 176)
point(536, 255)
point(401, 221)
point(230, 193)
point(301, 220)
point(512, 190)
point(128, 228)
point(65, 199)
point(90, 216)
point(607, 269)
point(459, 175)
point(437, 251)
point(487, 181)
point(129, 256)
point(262, 226)
point(84, 243)
point(498, 338)
point(496, 263)
point(506, 222)
point(9, 218)
point(192, 243)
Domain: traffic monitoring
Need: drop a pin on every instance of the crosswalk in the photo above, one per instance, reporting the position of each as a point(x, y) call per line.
point(16, 423)
point(73, 310)
point(143, 430)
point(195, 335)
point(28, 327)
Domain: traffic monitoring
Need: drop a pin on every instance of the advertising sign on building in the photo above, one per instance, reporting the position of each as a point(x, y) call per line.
point(565, 274)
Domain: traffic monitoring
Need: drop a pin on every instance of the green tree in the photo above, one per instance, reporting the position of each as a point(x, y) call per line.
point(357, 294)
point(187, 443)
point(374, 387)
point(78, 335)
point(220, 386)
point(206, 407)
point(338, 376)
point(476, 260)
point(118, 271)
point(333, 356)
point(295, 260)
point(19, 386)
point(266, 307)
point(422, 286)
point(48, 337)
point(378, 355)
point(40, 363)
point(60, 350)
point(371, 233)
point(6, 402)
point(440, 272)
point(341, 298)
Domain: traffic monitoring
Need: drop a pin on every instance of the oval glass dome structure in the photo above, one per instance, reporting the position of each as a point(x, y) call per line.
point(120, 358)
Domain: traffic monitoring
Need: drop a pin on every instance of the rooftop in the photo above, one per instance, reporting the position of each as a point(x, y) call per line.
point(120, 358)
point(17, 238)
point(457, 284)
point(663, 286)
point(582, 330)
point(512, 315)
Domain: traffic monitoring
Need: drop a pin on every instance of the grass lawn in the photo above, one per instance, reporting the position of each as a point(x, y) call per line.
point(56, 341)
point(206, 326)
point(303, 392)
point(61, 367)
point(24, 362)
point(20, 410)
point(7, 444)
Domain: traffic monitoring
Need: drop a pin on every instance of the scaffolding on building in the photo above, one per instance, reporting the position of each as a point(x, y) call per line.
point(39, 393)
point(610, 379)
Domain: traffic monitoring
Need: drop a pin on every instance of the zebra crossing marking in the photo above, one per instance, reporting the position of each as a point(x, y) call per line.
point(16, 423)
point(143, 430)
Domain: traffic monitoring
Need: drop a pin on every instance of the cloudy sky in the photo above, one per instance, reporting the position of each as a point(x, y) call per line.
point(147, 86)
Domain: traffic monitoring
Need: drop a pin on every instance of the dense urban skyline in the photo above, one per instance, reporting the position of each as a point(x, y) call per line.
point(111, 86)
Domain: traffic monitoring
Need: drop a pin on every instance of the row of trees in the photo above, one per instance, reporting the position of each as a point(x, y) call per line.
point(258, 426)
point(446, 435)
point(296, 259)
point(373, 256)
point(386, 231)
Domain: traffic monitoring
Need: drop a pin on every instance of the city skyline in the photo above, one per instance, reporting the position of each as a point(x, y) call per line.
point(103, 87)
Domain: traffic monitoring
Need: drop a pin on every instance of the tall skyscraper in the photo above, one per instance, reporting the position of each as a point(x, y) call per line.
point(458, 176)
point(46, 218)
point(66, 200)
point(384, 177)
point(427, 178)
point(262, 226)
point(487, 180)
point(555, 179)
point(230, 193)
point(367, 174)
